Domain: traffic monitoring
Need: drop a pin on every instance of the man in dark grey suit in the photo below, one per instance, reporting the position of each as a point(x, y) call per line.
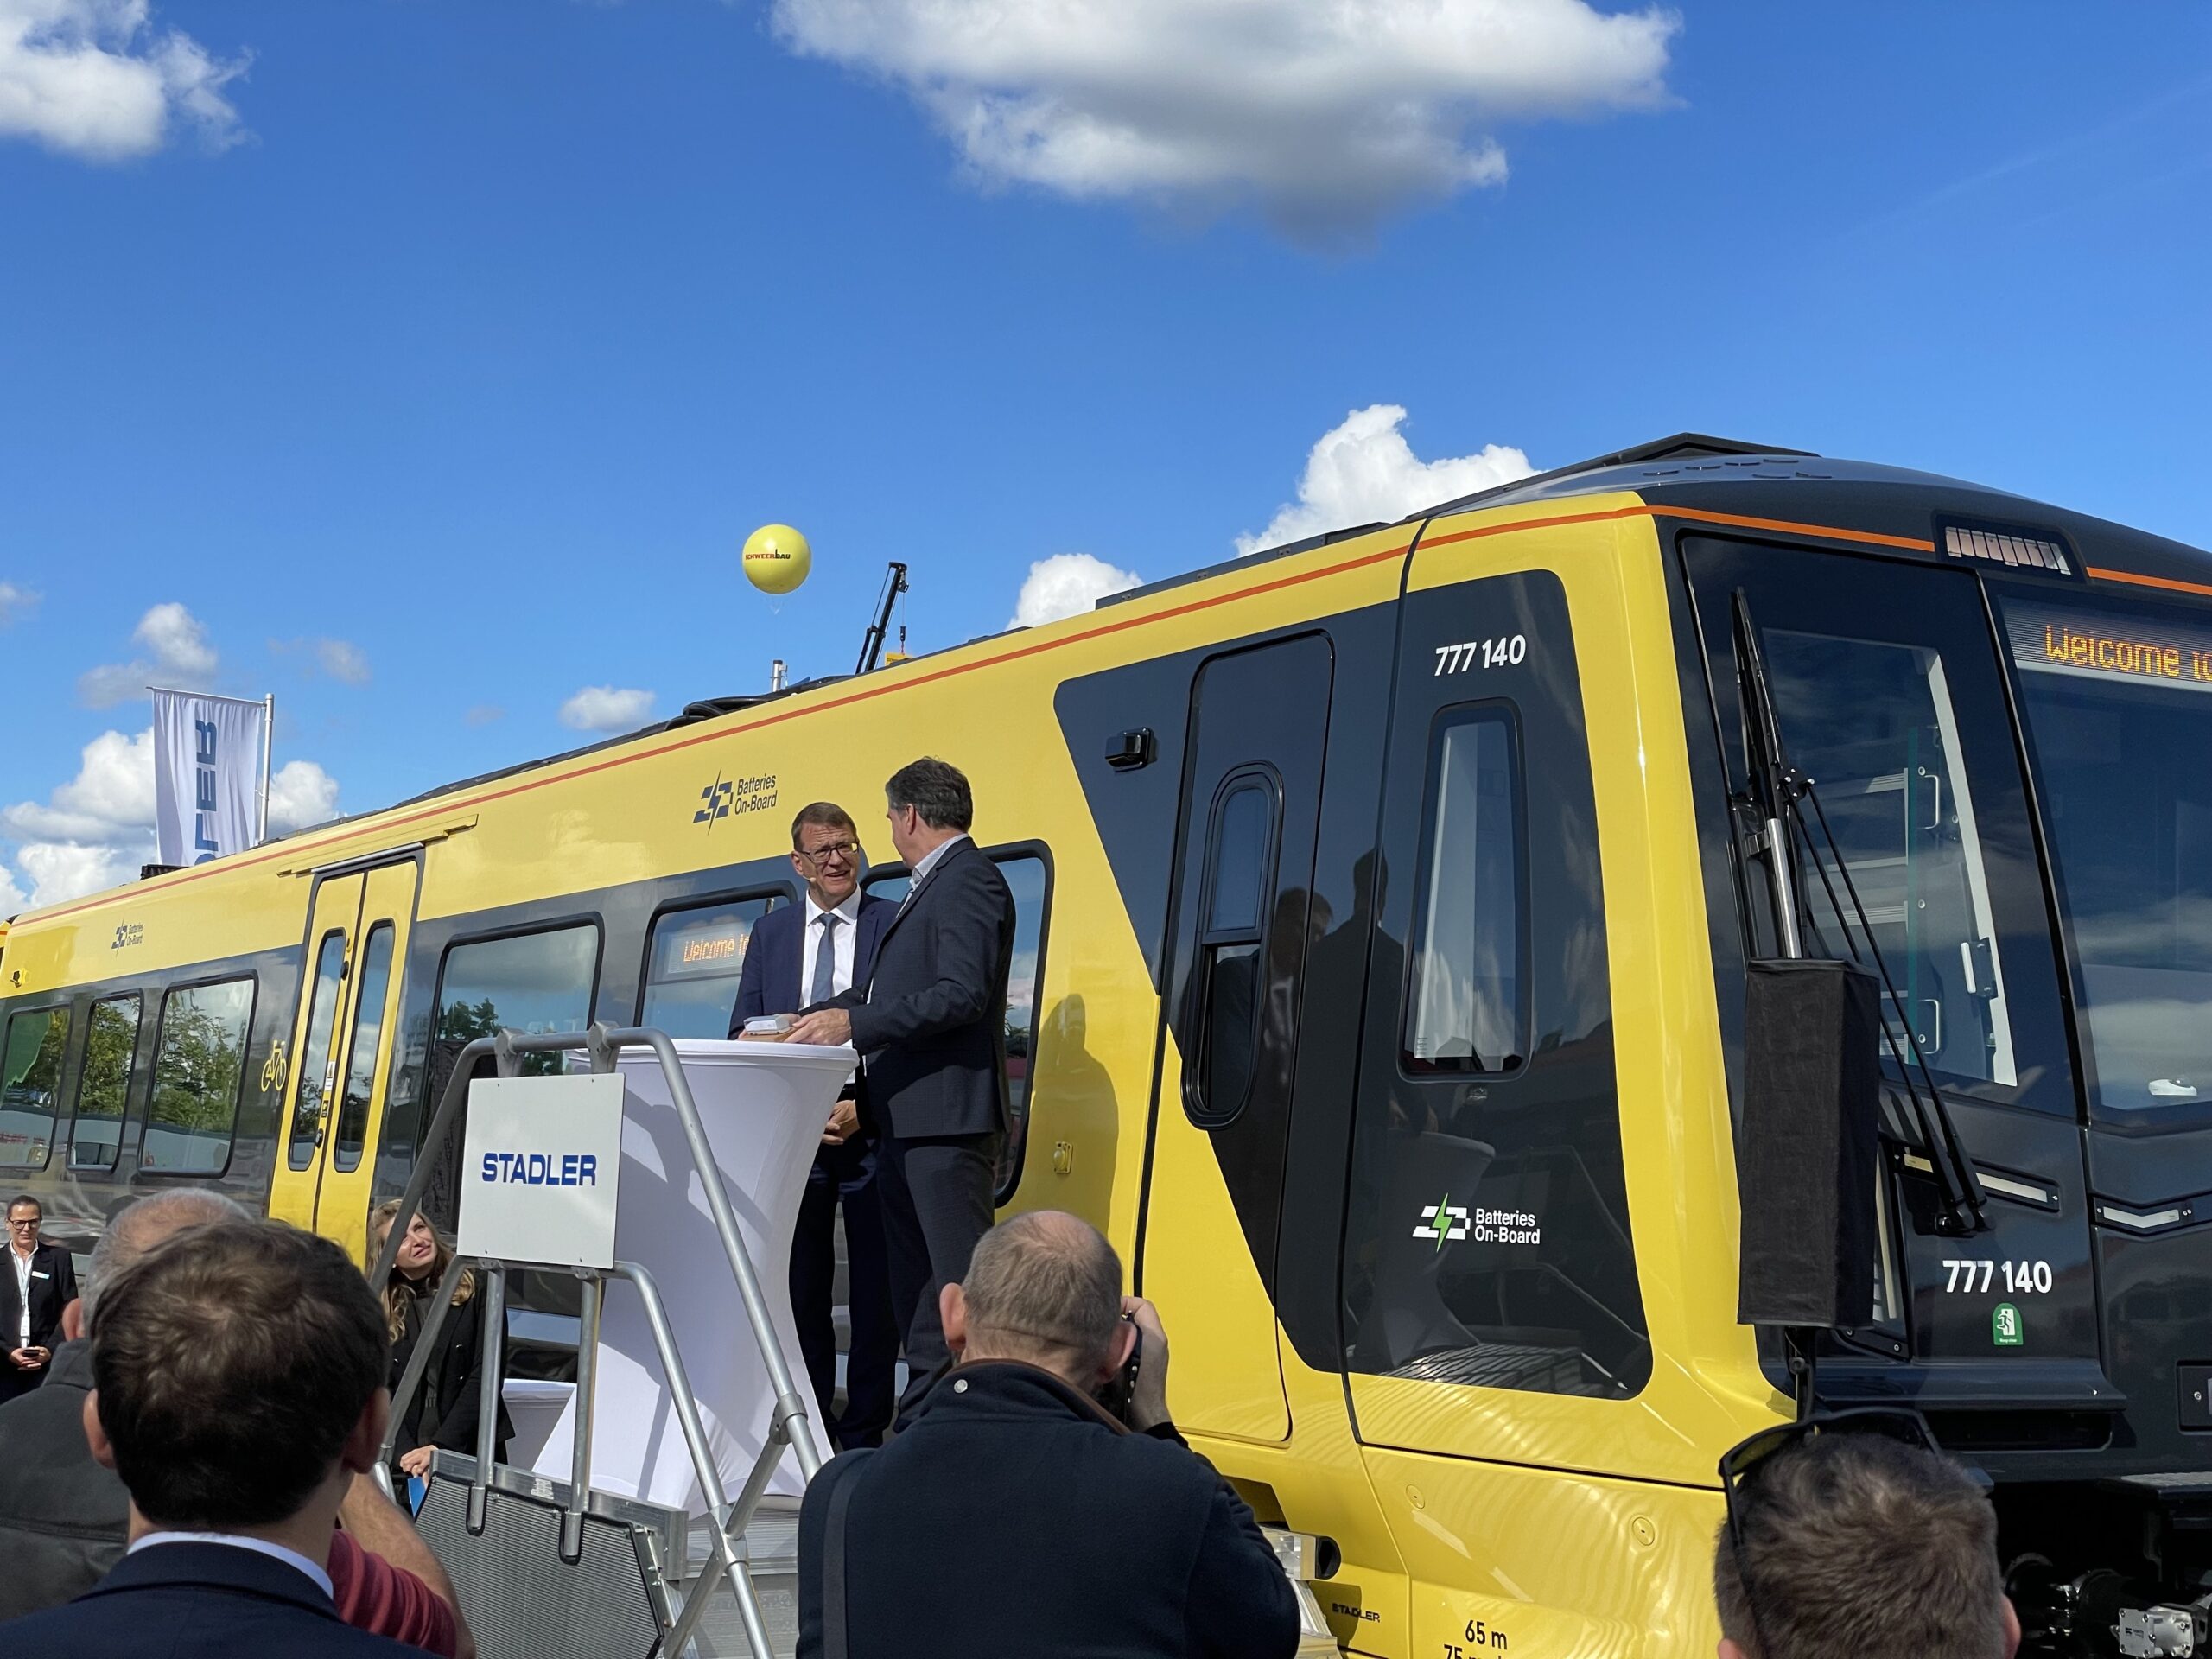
point(931, 1027)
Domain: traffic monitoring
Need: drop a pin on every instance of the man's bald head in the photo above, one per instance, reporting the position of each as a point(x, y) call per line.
point(1044, 1288)
point(137, 1228)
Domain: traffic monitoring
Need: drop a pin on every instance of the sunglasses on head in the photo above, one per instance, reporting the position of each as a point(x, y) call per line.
point(1740, 1464)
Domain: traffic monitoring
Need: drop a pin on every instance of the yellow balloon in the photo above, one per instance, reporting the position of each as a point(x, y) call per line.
point(777, 558)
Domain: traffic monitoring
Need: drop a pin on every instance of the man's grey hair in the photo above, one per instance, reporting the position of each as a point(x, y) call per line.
point(1857, 1545)
point(1046, 1282)
point(137, 1228)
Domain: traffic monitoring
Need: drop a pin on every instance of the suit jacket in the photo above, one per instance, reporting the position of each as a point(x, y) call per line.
point(53, 1287)
point(931, 1021)
point(198, 1601)
point(1053, 1529)
point(63, 1518)
point(775, 958)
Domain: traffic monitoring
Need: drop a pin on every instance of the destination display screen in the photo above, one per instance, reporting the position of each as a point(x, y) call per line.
point(702, 949)
point(2073, 639)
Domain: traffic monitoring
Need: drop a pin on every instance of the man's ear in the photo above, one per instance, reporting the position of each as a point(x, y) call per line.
point(72, 1321)
point(1730, 1651)
point(952, 1314)
point(359, 1451)
point(95, 1436)
point(2011, 1629)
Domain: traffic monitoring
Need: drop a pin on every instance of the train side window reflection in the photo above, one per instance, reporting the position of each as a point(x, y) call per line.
point(30, 1086)
point(530, 983)
point(368, 1039)
point(308, 1103)
point(110, 1038)
point(199, 1064)
point(693, 963)
point(1465, 1010)
point(1239, 873)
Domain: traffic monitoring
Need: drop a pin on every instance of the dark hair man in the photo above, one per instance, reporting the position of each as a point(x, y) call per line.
point(801, 956)
point(237, 1372)
point(43, 1283)
point(1857, 1545)
point(64, 1519)
point(931, 1027)
point(1012, 1496)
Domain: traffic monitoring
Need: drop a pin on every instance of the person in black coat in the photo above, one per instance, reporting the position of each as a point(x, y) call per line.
point(1049, 1529)
point(232, 1519)
point(800, 956)
point(931, 1027)
point(447, 1406)
point(40, 1282)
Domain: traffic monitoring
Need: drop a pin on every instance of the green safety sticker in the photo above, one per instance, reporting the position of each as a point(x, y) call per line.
point(2005, 1326)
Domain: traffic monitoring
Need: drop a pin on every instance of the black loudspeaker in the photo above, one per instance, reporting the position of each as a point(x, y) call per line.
point(1809, 1147)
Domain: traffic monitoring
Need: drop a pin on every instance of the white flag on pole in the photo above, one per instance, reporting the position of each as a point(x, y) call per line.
point(207, 768)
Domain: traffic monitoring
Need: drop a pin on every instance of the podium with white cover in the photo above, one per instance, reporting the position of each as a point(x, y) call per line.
point(684, 1163)
point(763, 1106)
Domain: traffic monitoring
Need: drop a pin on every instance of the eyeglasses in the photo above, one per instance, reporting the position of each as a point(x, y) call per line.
point(835, 849)
point(1744, 1460)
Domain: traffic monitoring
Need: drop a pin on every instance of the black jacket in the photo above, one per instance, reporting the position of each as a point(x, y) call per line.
point(198, 1601)
point(447, 1406)
point(63, 1517)
point(1015, 1520)
point(930, 1023)
point(53, 1287)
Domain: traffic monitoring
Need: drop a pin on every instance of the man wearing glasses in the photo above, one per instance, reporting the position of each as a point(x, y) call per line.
point(1849, 1535)
point(799, 957)
point(41, 1281)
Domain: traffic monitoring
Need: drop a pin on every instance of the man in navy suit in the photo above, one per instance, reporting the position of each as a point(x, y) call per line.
point(799, 957)
point(931, 1027)
point(237, 1388)
point(42, 1281)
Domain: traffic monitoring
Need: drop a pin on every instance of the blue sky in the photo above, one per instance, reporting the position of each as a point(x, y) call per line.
point(427, 363)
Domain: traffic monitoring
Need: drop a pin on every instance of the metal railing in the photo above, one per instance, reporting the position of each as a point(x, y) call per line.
point(787, 1422)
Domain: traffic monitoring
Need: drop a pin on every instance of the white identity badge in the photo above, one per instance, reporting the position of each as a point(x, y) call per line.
point(541, 1164)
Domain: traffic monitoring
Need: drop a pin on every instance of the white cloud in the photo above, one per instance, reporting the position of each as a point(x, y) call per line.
point(95, 830)
point(1363, 470)
point(180, 656)
point(1329, 116)
point(301, 793)
point(1067, 584)
point(483, 714)
point(607, 708)
point(95, 79)
point(343, 661)
point(16, 601)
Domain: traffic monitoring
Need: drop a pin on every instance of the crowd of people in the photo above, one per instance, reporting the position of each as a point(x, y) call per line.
point(189, 1443)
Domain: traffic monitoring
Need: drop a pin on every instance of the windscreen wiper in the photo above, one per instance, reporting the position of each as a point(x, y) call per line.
point(1775, 791)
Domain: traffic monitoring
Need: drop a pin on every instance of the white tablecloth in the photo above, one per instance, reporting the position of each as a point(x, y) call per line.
point(763, 1106)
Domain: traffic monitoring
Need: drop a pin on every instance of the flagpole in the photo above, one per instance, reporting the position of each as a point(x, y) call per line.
point(268, 742)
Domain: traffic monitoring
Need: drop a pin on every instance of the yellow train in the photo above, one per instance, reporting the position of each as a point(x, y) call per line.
point(1387, 902)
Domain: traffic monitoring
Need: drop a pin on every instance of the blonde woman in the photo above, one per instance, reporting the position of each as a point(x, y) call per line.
point(445, 1409)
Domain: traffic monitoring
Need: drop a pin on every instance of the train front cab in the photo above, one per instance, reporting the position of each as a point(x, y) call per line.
point(1492, 1200)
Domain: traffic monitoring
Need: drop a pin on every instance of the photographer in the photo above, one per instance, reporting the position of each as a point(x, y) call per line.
point(1054, 1527)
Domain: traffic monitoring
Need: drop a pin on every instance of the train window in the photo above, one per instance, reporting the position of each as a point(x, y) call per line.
point(1464, 1013)
point(1873, 721)
point(1241, 845)
point(374, 980)
point(199, 1064)
point(30, 1086)
point(1028, 878)
point(313, 1081)
point(526, 981)
point(692, 964)
point(111, 1040)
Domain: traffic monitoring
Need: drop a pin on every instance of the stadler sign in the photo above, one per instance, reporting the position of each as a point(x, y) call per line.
point(541, 1166)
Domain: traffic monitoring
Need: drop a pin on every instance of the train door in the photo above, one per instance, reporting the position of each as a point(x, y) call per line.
point(1240, 922)
point(342, 1045)
point(1494, 1322)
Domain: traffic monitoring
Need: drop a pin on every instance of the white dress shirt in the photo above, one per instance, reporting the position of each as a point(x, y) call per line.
point(847, 935)
point(291, 1558)
point(22, 1291)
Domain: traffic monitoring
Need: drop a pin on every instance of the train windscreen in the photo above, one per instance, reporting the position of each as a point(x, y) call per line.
point(2118, 703)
